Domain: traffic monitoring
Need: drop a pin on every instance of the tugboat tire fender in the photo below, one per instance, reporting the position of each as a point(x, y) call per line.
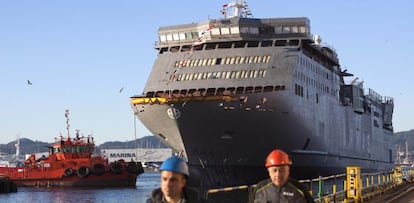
point(68, 172)
point(116, 168)
point(98, 169)
point(83, 171)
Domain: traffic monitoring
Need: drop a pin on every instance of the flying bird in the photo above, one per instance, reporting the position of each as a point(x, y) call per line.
point(29, 83)
point(121, 90)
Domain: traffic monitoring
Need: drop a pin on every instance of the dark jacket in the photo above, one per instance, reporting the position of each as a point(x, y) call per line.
point(291, 191)
point(190, 196)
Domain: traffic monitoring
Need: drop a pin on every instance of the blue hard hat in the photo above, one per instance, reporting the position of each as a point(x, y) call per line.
point(175, 164)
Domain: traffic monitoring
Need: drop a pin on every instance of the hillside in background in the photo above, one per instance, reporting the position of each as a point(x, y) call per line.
point(28, 146)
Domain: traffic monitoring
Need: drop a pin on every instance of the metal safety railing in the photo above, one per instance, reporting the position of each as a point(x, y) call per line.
point(350, 187)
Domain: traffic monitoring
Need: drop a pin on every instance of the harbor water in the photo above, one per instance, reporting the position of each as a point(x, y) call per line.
point(146, 182)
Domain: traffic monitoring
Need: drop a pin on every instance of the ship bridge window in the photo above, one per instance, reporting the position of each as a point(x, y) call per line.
point(176, 92)
point(249, 89)
point(183, 92)
point(286, 30)
point(201, 91)
point(279, 87)
point(211, 91)
point(191, 91)
point(240, 44)
point(224, 45)
point(176, 36)
point(159, 93)
point(220, 91)
point(253, 30)
point(234, 30)
point(169, 37)
point(267, 43)
point(280, 43)
point(198, 47)
point(278, 30)
point(174, 49)
point(268, 89)
point(215, 31)
point(302, 29)
point(231, 89)
point(225, 30)
point(294, 42)
point(163, 38)
point(210, 46)
point(240, 90)
point(244, 30)
point(258, 89)
point(150, 94)
point(164, 49)
point(186, 48)
point(266, 30)
point(167, 92)
point(181, 36)
point(253, 44)
point(191, 35)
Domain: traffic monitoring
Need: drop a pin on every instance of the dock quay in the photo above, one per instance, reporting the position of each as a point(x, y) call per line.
point(353, 186)
point(7, 186)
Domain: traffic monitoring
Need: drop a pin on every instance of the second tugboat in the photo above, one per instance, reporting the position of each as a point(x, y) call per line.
point(71, 162)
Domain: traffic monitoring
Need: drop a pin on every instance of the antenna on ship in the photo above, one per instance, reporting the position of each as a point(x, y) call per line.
point(239, 8)
point(67, 121)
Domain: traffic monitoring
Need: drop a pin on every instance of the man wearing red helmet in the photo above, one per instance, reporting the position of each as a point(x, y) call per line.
point(279, 187)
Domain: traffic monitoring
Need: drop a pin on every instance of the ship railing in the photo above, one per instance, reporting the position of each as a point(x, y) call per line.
point(326, 189)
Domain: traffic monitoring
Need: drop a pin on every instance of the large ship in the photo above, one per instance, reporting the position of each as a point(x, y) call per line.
point(72, 162)
point(225, 92)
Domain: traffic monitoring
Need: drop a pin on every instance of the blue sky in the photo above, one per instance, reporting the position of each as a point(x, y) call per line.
point(79, 54)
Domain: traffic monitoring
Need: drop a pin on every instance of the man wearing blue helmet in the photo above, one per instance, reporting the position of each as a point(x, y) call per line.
point(174, 174)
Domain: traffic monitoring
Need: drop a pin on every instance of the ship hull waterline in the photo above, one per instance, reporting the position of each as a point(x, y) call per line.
point(104, 180)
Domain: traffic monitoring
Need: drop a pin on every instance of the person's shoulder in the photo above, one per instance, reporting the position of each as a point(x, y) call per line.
point(156, 196)
point(263, 183)
point(253, 191)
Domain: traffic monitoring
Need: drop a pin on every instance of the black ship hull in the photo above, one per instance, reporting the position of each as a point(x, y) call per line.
point(226, 142)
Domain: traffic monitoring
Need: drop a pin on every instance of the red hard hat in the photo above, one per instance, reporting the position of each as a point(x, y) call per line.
point(277, 157)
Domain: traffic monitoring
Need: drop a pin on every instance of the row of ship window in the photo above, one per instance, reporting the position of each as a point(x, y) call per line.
point(233, 30)
point(314, 67)
point(221, 61)
point(216, 91)
point(299, 92)
point(229, 45)
point(240, 74)
point(312, 82)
